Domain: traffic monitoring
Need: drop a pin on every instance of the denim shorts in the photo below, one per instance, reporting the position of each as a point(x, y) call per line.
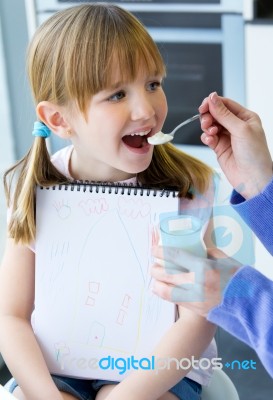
point(83, 389)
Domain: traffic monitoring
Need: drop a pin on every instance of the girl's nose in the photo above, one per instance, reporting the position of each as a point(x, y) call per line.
point(142, 108)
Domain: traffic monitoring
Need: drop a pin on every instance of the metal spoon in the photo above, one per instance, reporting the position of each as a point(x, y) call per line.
point(161, 138)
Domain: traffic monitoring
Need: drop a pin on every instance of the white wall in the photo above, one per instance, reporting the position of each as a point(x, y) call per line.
point(6, 147)
point(259, 84)
point(259, 74)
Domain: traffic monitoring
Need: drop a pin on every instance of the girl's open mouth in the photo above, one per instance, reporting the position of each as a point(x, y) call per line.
point(136, 140)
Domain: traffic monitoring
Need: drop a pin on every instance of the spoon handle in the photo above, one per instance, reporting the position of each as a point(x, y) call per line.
point(185, 123)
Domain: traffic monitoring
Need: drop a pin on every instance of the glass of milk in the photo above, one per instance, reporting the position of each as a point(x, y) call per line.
point(183, 231)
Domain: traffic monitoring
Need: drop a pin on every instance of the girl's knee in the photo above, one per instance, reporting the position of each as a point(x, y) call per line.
point(104, 391)
point(68, 396)
point(18, 394)
point(168, 396)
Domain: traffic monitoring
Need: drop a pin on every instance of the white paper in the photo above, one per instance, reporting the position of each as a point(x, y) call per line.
point(93, 285)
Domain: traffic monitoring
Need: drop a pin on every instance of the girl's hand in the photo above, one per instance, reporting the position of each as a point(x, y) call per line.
point(195, 283)
point(237, 137)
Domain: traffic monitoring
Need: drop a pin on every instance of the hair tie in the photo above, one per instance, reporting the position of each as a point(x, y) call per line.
point(41, 130)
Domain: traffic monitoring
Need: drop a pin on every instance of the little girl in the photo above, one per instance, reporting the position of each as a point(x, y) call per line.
point(96, 77)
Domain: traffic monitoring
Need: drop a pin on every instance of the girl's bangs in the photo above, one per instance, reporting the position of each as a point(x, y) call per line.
point(121, 64)
point(127, 63)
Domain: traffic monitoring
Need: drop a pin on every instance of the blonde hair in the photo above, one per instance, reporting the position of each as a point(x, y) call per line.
point(69, 59)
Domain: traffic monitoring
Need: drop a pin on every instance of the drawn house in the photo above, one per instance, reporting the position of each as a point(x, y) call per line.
point(112, 285)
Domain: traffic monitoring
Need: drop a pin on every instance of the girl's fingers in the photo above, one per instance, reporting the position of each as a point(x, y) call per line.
point(180, 258)
point(180, 262)
point(163, 290)
point(175, 278)
point(181, 295)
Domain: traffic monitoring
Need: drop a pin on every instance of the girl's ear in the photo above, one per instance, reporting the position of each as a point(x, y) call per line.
point(53, 116)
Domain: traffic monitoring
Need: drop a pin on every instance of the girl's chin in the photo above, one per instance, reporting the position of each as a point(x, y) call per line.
point(136, 168)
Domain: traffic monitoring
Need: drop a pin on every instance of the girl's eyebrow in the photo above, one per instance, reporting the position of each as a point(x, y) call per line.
point(118, 84)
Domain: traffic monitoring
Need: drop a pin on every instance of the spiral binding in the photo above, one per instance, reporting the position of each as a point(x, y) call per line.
point(118, 188)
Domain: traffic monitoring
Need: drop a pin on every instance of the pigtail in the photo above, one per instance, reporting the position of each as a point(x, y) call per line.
point(34, 169)
point(171, 167)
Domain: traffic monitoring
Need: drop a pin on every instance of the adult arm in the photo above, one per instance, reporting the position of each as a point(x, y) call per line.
point(237, 137)
point(246, 312)
point(244, 308)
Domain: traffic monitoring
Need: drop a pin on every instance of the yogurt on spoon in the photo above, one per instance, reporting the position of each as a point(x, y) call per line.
point(161, 138)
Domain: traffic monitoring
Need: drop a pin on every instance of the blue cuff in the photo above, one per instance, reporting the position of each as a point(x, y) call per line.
point(257, 212)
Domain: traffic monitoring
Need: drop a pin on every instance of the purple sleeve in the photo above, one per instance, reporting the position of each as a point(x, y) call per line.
point(246, 312)
point(257, 212)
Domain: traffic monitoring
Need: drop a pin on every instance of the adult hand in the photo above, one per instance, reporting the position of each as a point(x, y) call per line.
point(194, 282)
point(238, 139)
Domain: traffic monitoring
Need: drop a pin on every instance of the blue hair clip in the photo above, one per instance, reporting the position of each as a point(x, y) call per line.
point(41, 130)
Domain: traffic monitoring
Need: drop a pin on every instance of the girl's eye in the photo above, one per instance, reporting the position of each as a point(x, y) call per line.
point(154, 85)
point(117, 96)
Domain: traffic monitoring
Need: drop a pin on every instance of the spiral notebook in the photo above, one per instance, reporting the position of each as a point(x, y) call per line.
point(94, 308)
